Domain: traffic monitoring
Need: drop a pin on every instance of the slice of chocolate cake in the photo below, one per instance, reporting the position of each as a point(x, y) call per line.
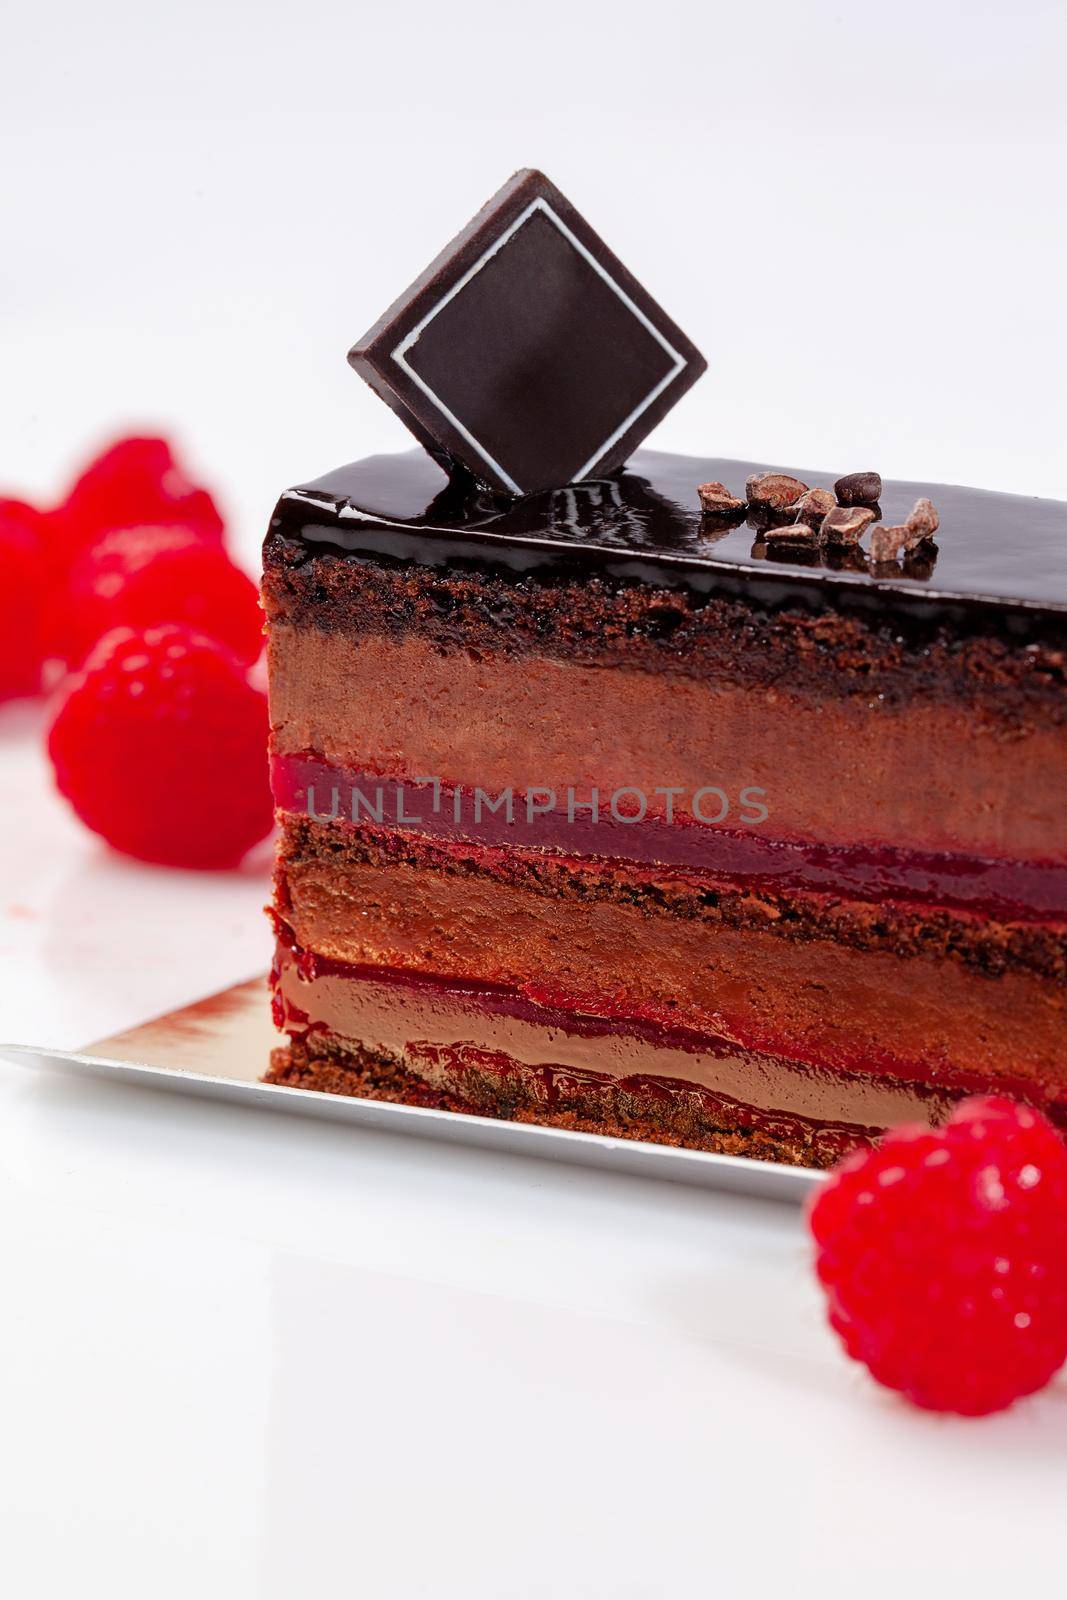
point(605, 810)
point(691, 800)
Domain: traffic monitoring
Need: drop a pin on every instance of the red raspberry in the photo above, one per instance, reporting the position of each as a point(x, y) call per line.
point(138, 577)
point(22, 599)
point(943, 1255)
point(133, 482)
point(160, 745)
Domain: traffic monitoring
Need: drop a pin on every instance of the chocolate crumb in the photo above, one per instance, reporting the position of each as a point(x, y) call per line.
point(887, 543)
point(859, 489)
point(776, 489)
point(814, 506)
point(716, 497)
point(844, 524)
point(922, 522)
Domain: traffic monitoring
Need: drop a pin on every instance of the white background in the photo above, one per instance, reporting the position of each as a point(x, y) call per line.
point(244, 1358)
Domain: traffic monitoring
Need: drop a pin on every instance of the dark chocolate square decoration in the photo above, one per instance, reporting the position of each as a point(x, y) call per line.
point(527, 351)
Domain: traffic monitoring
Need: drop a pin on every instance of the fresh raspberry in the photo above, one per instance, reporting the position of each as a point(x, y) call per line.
point(22, 599)
point(943, 1255)
point(160, 745)
point(135, 482)
point(138, 577)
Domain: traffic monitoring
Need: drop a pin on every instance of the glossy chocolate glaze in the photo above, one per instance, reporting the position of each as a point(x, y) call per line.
point(1000, 564)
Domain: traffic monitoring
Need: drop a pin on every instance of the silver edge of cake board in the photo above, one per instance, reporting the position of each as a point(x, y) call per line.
point(219, 1048)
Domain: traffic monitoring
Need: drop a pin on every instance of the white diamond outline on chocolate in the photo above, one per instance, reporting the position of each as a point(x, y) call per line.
point(399, 354)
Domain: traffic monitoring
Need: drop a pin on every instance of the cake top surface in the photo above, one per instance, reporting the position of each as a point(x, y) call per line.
point(999, 551)
point(526, 350)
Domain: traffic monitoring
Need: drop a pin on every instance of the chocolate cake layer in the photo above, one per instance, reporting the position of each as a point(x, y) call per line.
point(582, 617)
point(989, 943)
point(494, 1051)
point(598, 941)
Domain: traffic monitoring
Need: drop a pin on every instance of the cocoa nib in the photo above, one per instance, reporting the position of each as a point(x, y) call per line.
point(859, 489)
point(716, 497)
point(922, 522)
point(844, 524)
point(776, 489)
point(813, 507)
point(887, 543)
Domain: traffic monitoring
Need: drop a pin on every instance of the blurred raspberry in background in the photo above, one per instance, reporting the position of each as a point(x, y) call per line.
point(138, 545)
point(133, 482)
point(160, 745)
point(22, 599)
point(137, 576)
